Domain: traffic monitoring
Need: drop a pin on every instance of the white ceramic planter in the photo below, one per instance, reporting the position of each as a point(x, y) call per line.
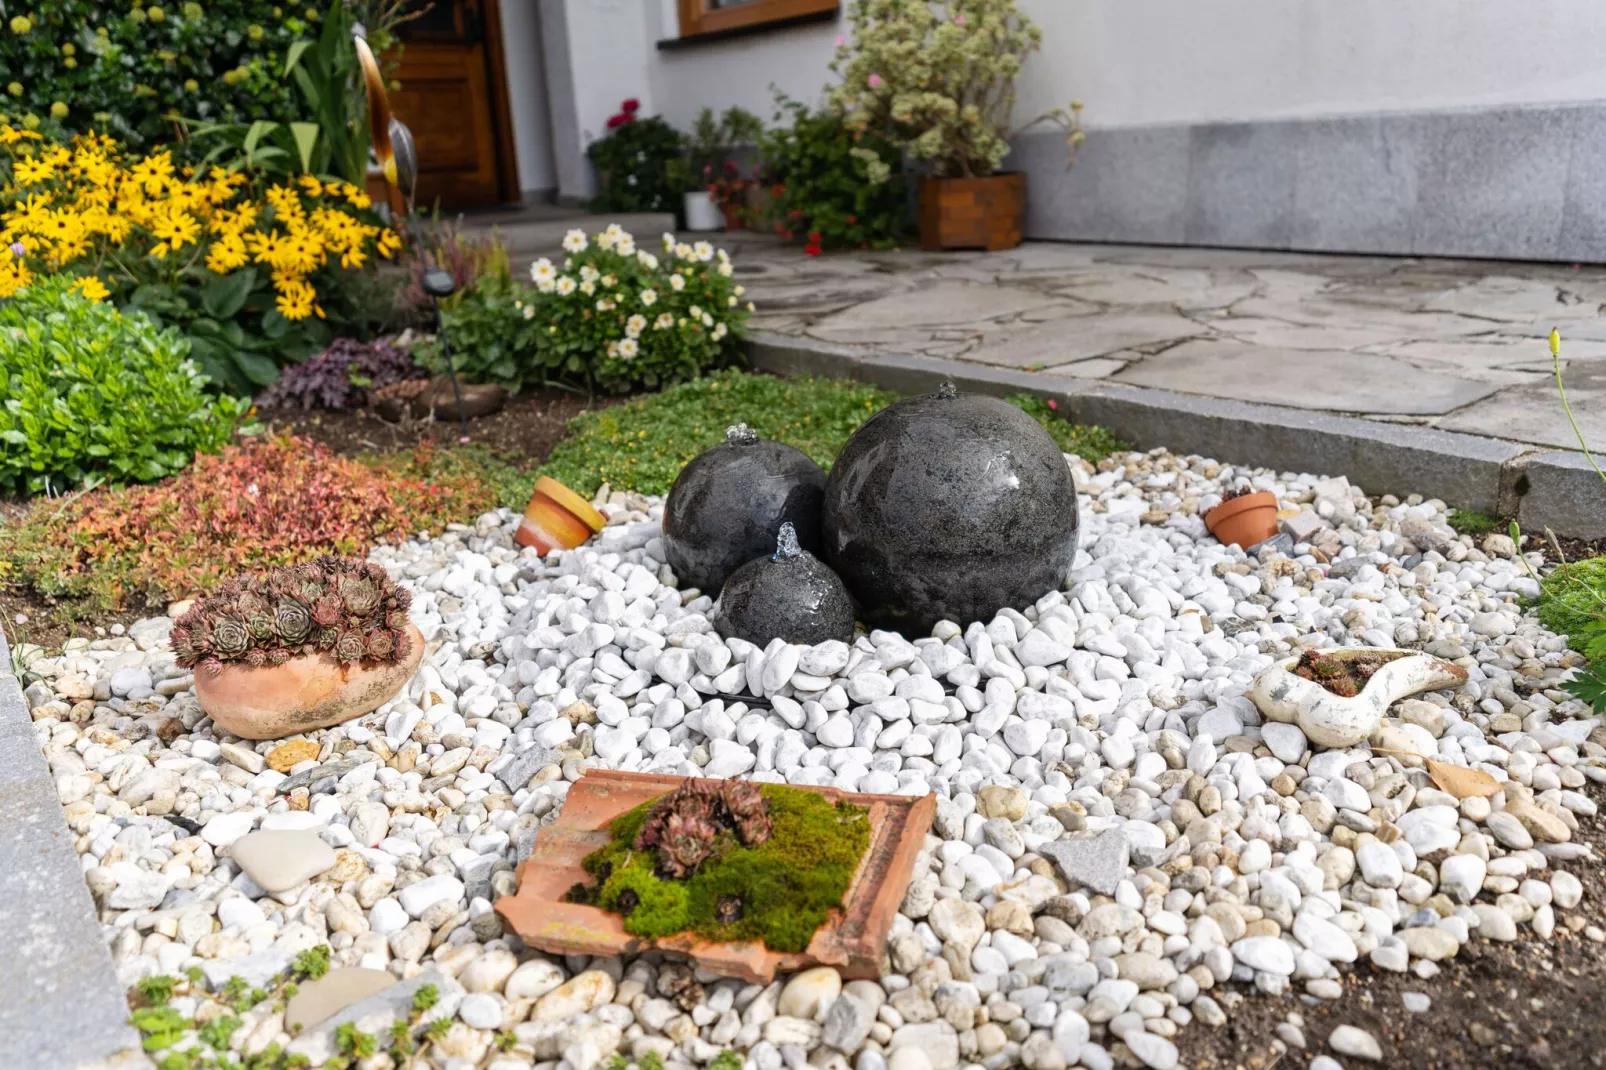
point(702, 213)
point(1333, 721)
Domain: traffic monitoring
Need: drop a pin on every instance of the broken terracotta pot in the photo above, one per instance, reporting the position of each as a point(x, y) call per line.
point(1335, 721)
point(557, 518)
point(853, 941)
point(306, 692)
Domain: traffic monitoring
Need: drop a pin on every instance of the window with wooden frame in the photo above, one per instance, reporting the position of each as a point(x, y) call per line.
point(701, 17)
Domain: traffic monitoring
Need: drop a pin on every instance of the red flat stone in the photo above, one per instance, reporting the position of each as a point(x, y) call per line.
point(853, 940)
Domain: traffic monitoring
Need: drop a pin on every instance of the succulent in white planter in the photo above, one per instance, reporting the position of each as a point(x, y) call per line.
point(1337, 697)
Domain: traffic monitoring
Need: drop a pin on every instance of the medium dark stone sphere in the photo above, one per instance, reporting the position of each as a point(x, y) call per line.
point(790, 595)
point(729, 501)
point(948, 507)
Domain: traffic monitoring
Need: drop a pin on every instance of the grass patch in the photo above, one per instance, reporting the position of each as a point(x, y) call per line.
point(1572, 599)
point(643, 444)
point(1091, 443)
point(1472, 522)
point(787, 886)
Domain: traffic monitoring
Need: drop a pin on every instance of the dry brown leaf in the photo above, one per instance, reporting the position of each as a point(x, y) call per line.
point(1460, 781)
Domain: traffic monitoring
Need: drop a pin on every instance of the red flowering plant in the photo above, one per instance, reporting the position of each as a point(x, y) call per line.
point(639, 164)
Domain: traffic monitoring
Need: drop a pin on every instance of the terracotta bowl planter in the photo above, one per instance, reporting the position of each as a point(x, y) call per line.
point(973, 213)
point(557, 518)
point(1244, 521)
point(853, 941)
point(304, 693)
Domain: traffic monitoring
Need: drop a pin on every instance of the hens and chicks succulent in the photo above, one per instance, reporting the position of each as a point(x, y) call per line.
point(684, 825)
point(342, 607)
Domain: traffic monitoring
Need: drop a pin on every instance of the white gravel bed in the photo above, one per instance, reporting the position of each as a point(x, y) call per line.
point(1102, 734)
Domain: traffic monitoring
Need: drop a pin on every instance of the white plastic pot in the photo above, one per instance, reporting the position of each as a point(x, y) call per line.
point(702, 213)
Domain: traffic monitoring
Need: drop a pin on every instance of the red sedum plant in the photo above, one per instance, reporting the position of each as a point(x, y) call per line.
point(339, 606)
point(270, 501)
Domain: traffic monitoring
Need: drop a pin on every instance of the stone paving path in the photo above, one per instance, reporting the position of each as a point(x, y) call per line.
point(1458, 345)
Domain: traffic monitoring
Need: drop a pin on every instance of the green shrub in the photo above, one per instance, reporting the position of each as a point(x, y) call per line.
point(91, 395)
point(134, 70)
point(1092, 444)
point(612, 316)
point(639, 165)
point(830, 186)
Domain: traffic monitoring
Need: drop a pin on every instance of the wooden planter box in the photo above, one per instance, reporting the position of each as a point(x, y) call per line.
point(853, 941)
point(973, 213)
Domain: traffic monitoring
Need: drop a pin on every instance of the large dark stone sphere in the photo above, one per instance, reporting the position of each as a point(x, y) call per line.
point(790, 595)
point(949, 507)
point(729, 501)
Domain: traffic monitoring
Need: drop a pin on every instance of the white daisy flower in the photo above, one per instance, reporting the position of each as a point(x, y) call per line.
point(676, 282)
point(635, 325)
point(544, 285)
point(529, 312)
point(669, 241)
point(664, 321)
point(649, 297)
point(751, 307)
point(724, 257)
point(684, 251)
point(724, 269)
point(696, 312)
point(626, 247)
point(627, 349)
point(616, 232)
point(574, 241)
point(740, 290)
point(703, 251)
point(731, 301)
point(613, 349)
point(720, 332)
point(589, 273)
point(647, 260)
point(604, 305)
point(708, 321)
point(588, 287)
point(543, 269)
point(565, 286)
point(609, 281)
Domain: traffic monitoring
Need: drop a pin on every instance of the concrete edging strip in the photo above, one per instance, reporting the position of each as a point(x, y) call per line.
point(1544, 488)
point(61, 1005)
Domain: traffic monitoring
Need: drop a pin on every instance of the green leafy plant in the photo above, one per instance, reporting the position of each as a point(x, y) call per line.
point(156, 990)
point(612, 317)
point(92, 395)
point(1090, 443)
point(161, 1027)
point(830, 185)
point(937, 79)
point(713, 141)
point(639, 165)
point(725, 1060)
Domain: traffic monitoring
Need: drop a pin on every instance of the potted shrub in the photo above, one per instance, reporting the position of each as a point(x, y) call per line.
point(715, 187)
point(303, 647)
point(938, 80)
point(1244, 518)
point(639, 164)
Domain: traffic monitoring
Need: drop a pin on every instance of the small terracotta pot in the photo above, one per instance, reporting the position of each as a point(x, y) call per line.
point(1244, 521)
point(307, 692)
point(557, 518)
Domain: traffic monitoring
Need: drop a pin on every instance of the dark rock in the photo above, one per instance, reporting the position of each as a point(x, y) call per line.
point(420, 398)
point(730, 500)
point(790, 595)
point(948, 507)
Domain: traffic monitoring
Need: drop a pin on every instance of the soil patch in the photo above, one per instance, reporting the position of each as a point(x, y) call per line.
point(523, 433)
point(1528, 1005)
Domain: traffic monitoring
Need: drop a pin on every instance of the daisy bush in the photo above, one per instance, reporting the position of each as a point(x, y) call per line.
point(611, 316)
point(249, 274)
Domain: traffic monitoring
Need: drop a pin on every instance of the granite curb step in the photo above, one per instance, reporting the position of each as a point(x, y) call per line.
point(1543, 488)
point(63, 1007)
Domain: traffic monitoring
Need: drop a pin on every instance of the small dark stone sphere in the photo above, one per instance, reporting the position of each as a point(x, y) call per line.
point(789, 595)
point(729, 501)
point(949, 507)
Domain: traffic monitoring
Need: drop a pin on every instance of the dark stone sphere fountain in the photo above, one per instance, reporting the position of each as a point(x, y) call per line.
point(729, 501)
point(789, 595)
point(949, 507)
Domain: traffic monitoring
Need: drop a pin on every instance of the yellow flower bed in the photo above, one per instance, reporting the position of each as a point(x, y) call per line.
point(85, 210)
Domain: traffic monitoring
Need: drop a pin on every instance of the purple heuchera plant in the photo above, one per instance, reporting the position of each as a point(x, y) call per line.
point(342, 376)
point(340, 606)
point(684, 825)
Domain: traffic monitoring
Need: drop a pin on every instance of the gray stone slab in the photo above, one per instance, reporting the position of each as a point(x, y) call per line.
point(1493, 182)
point(1084, 337)
point(1330, 380)
point(60, 1003)
point(942, 303)
point(1128, 185)
point(1534, 413)
point(1241, 184)
point(1564, 494)
point(1583, 216)
point(1355, 184)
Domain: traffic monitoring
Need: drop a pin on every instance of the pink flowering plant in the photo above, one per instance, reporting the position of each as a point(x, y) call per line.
point(937, 79)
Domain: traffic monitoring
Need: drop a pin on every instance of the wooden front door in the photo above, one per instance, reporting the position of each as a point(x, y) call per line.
point(453, 97)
